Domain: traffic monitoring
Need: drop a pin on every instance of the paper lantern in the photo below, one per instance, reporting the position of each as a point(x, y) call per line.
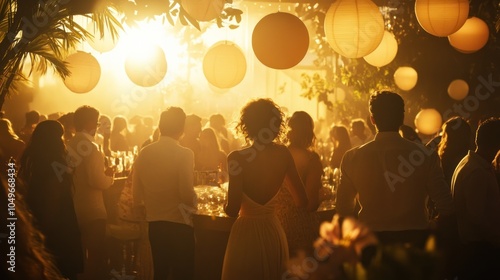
point(85, 72)
point(146, 66)
point(224, 65)
point(385, 52)
point(428, 121)
point(280, 40)
point(405, 77)
point(441, 17)
point(100, 43)
point(471, 37)
point(458, 89)
point(203, 10)
point(354, 28)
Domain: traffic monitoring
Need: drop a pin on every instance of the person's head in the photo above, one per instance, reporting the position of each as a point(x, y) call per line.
point(6, 130)
point(340, 136)
point(32, 118)
point(358, 126)
point(47, 138)
point(301, 133)
point(68, 122)
point(262, 121)
point(387, 110)
point(456, 136)
point(409, 133)
point(120, 124)
point(192, 127)
point(172, 122)
point(208, 140)
point(86, 119)
point(488, 136)
point(104, 125)
point(217, 121)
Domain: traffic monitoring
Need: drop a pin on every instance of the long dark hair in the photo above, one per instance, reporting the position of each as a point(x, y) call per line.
point(45, 148)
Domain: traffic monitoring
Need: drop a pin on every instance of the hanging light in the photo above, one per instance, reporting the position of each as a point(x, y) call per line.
point(203, 10)
point(385, 52)
point(471, 37)
point(280, 40)
point(100, 43)
point(354, 28)
point(224, 65)
point(405, 77)
point(441, 17)
point(458, 89)
point(428, 121)
point(146, 66)
point(85, 72)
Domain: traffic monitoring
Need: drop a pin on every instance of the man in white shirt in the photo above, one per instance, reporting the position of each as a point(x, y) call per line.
point(476, 199)
point(392, 178)
point(90, 178)
point(163, 183)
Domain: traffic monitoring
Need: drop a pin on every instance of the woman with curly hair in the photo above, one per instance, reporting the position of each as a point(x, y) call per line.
point(257, 246)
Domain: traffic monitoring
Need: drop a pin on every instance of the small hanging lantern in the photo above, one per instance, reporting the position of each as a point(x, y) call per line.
point(472, 37)
point(85, 72)
point(224, 65)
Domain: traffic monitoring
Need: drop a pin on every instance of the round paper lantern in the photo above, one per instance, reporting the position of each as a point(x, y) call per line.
point(98, 43)
point(203, 10)
point(354, 28)
point(146, 66)
point(441, 17)
point(224, 65)
point(428, 121)
point(85, 72)
point(385, 52)
point(471, 37)
point(280, 40)
point(458, 89)
point(405, 77)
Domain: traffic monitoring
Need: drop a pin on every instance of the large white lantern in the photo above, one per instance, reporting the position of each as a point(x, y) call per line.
point(203, 10)
point(458, 89)
point(385, 52)
point(354, 28)
point(85, 72)
point(405, 77)
point(100, 43)
point(224, 65)
point(471, 37)
point(441, 17)
point(428, 121)
point(146, 65)
point(280, 40)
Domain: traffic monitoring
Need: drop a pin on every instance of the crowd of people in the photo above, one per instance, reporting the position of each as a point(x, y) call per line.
point(394, 195)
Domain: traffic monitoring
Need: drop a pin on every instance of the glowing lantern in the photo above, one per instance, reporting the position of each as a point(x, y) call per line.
point(385, 52)
point(146, 66)
point(224, 65)
point(471, 37)
point(441, 17)
point(100, 43)
point(85, 72)
point(458, 89)
point(405, 77)
point(428, 121)
point(203, 10)
point(280, 40)
point(354, 28)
